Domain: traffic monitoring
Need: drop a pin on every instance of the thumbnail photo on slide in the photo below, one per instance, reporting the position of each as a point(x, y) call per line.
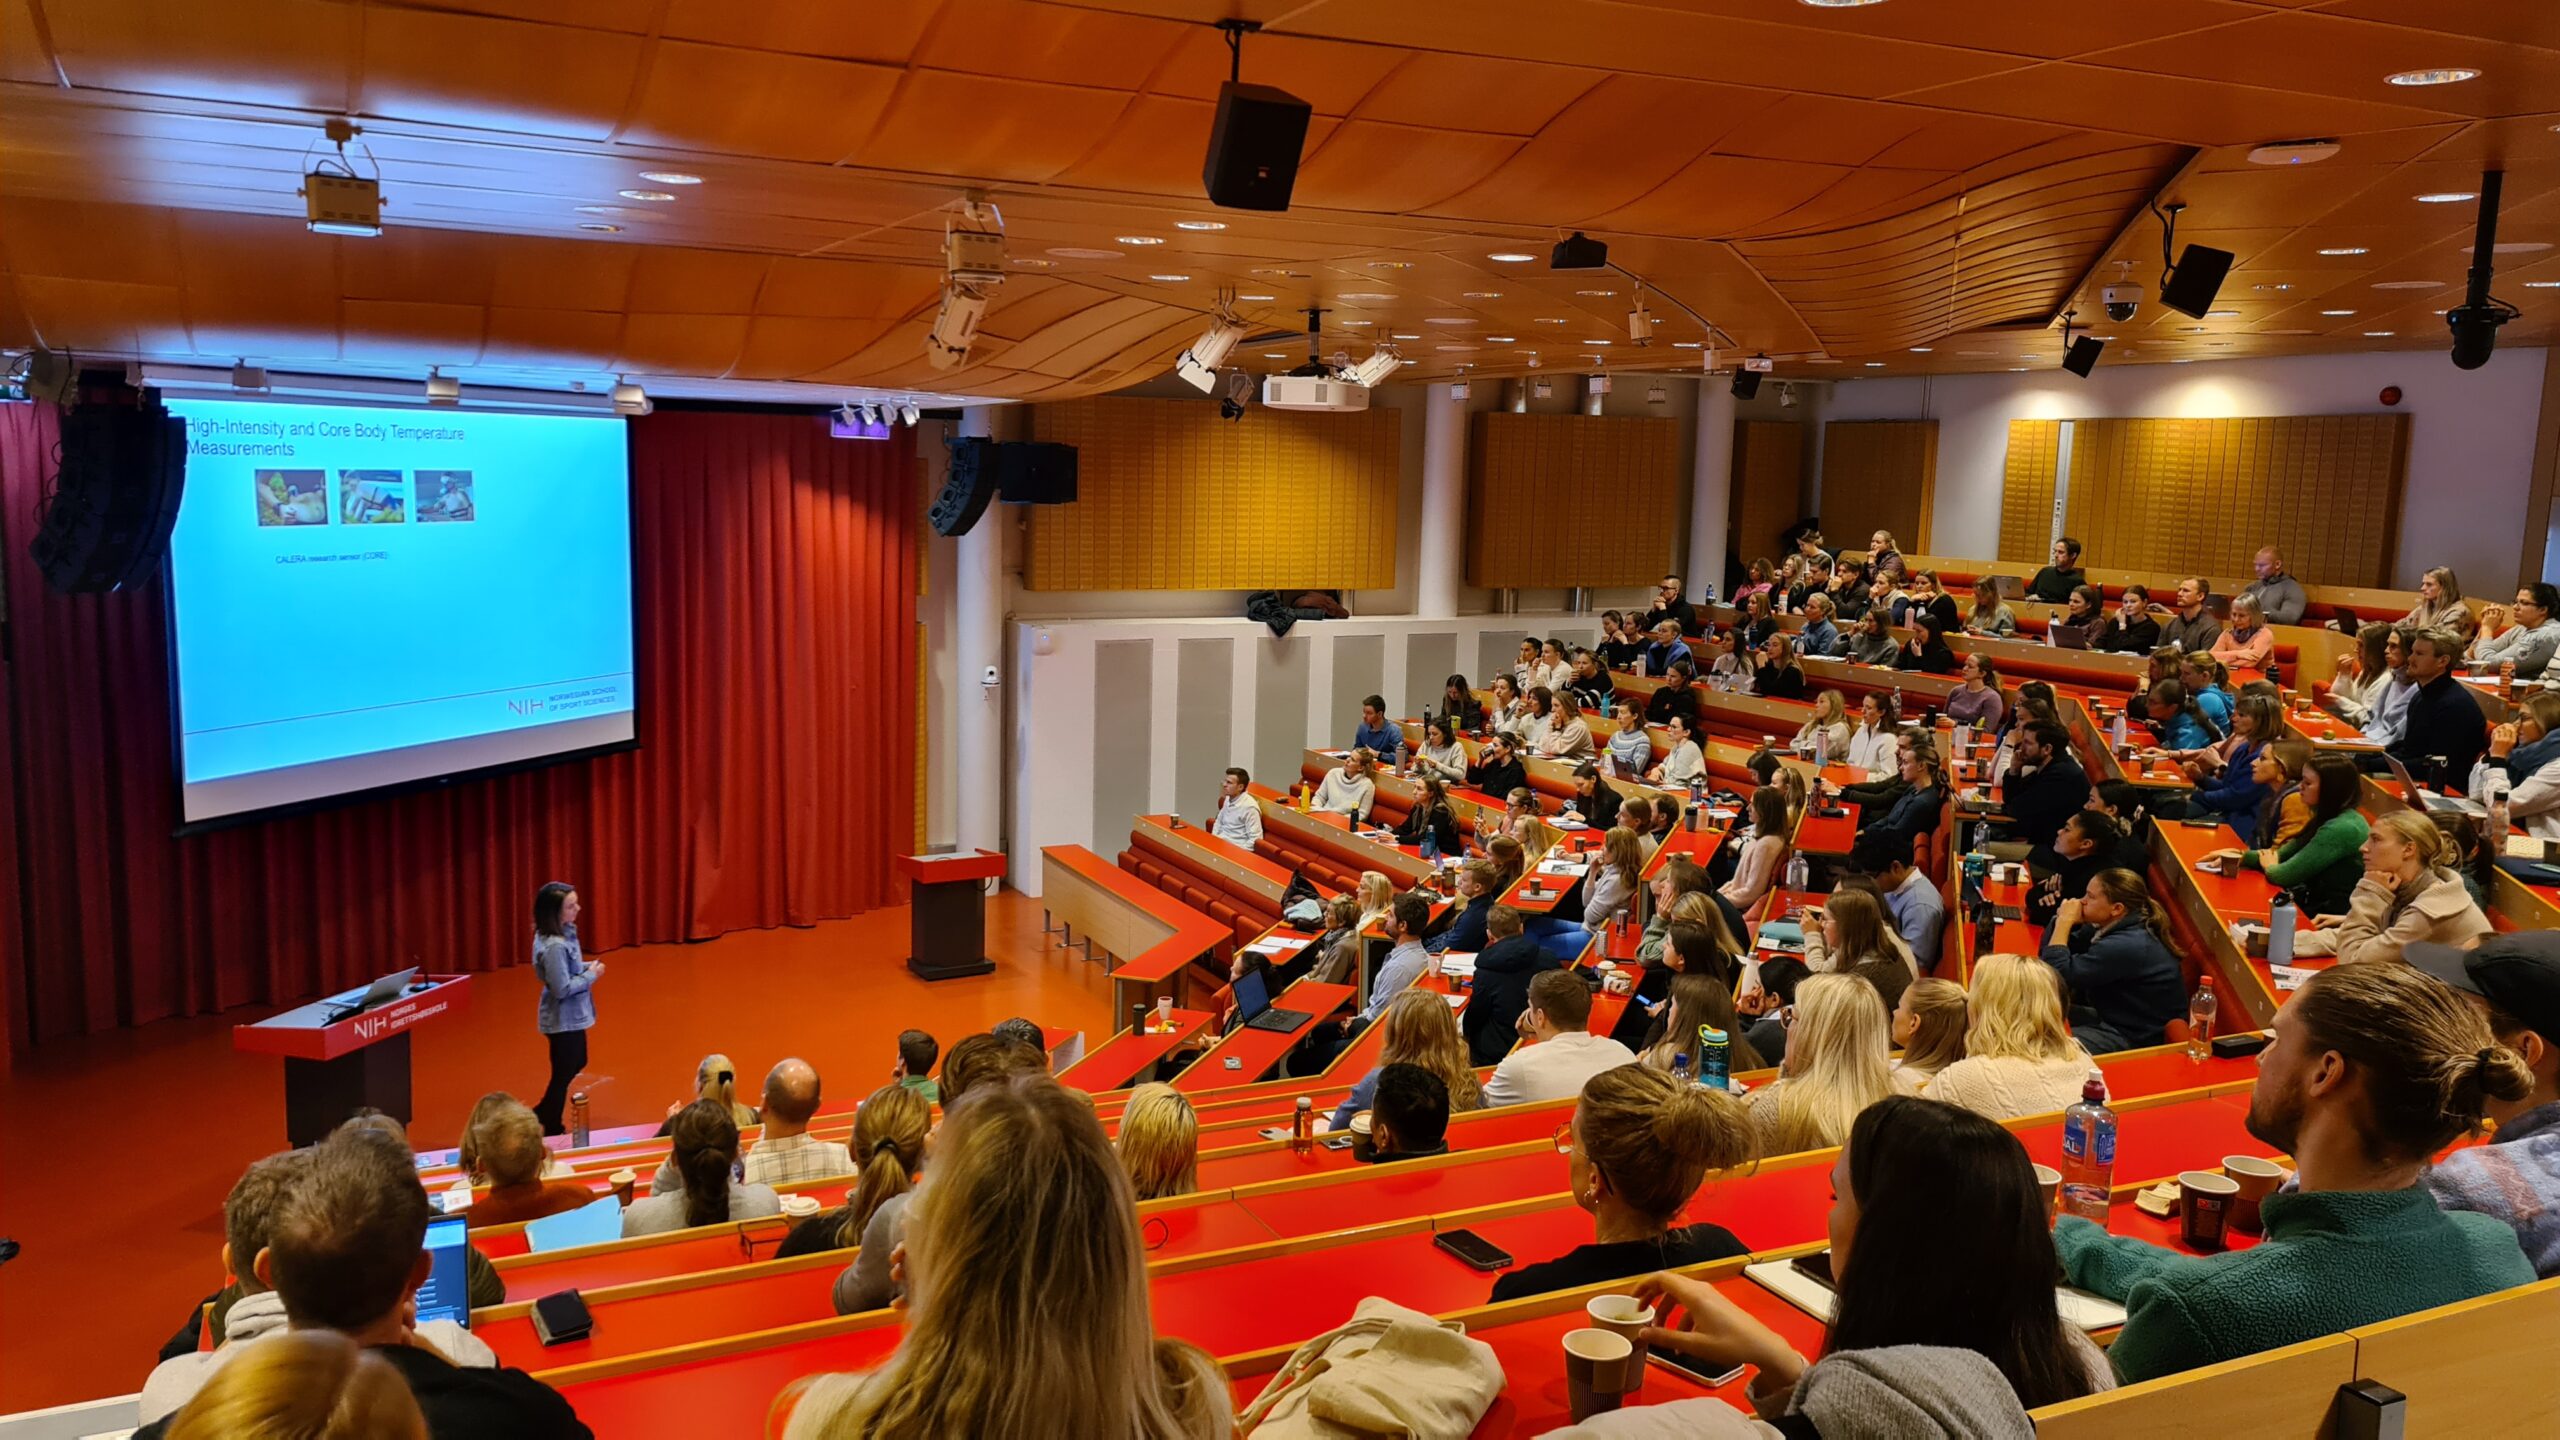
point(372, 497)
point(292, 497)
point(444, 497)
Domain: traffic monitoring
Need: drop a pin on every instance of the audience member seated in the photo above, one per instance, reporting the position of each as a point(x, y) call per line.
point(1239, 817)
point(2323, 864)
point(2055, 582)
point(1533, 726)
point(2283, 814)
point(2019, 1055)
point(1846, 935)
point(1421, 1031)
point(1775, 675)
point(1528, 671)
point(2177, 723)
point(1557, 1052)
point(1497, 770)
point(1911, 898)
point(1608, 894)
point(2408, 892)
point(2515, 1179)
point(346, 1252)
point(1441, 756)
point(1929, 1029)
point(1668, 652)
point(888, 1146)
point(1928, 598)
point(1375, 732)
point(2249, 644)
point(1432, 823)
point(2188, 626)
point(1402, 925)
point(1159, 1143)
point(1347, 788)
point(1630, 749)
point(1479, 889)
point(1927, 652)
point(1622, 640)
point(1820, 638)
point(1591, 684)
point(1675, 699)
point(2230, 787)
point(308, 1385)
point(1459, 705)
point(1838, 1063)
point(2361, 674)
point(1668, 606)
point(2374, 1068)
point(1872, 745)
point(2385, 714)
point(1024, 1032)
point(975, 1061)
point(1990, 615)
point(2083, 616)
point(1639, 1146)
point(1763, 850)
point(1917, 810)
point(917, 1050)
point(706, 1148)
point(1684, 763)
point(1006, 1338)
point(246, 1309)
point(2043, 788)
point(1409, 1117)
point(2112, 948)
point(2132, 630)
point(1976, 701)
point(2524, 636)
point(715, 1079)
point(2278, 596)
point(1698, 998)
point(508, 1143)
point(2522, 766)
point(787, 1153)
point(1946, 1322)
point(1568, 735)
point(2091, 840)
point(1869, 642)
point(1504, 969)
point(1507, 707)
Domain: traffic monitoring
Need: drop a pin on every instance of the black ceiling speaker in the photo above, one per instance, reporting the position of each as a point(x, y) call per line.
point(968, 485)
point(1578, 251)
point(2476, 320)
point(1255, 139)
point(107, 523)
point(1746, 383)
point(2189, 284)
point(1032, 472)
point(2082, 357)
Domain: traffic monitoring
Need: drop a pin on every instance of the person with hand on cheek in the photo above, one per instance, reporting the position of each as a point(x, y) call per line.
point(1945, 1321)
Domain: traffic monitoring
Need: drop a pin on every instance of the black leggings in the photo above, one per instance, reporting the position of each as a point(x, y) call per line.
point(568, 1057)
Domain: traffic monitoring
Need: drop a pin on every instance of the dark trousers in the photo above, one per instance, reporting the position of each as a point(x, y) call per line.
point(568, 1057)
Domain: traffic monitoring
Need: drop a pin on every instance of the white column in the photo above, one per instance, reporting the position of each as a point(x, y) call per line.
point(1442, 542)
point(978, 605)
point(1710, 487)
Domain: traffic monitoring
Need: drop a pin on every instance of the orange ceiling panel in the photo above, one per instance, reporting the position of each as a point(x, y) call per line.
point(1611, 148)
point(1018, 130)
point(1332, 78)
point(658, 343)
point(2041, 28)
point(755, 102)
point(1727, 195)
point(2517, 22)
point(1467, 92)
point(496, 74)
point(542, 339)
point(792, 347)
point(1364, 165)
point(884, 31)
point(299, 54)
point(394, 330)
point(2319, 54)
point(847, 289)
point(2166, 106)
point(24, 57)
point(1057, 44)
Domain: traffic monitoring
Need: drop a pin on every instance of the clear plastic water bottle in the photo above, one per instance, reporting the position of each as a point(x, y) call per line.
point(1715, 1058)
point(2089, 1152)
point(2116, 732)
point(2280, 918)
point(2201, 1009)
point(1430, 844)
point(1799, 874)
point(1680, 1069)
point(578, 1119)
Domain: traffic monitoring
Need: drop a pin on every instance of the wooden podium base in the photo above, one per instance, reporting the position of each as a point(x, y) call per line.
point(947, 913)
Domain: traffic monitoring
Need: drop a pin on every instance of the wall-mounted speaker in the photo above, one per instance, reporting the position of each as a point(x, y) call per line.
point(967, 486)
point(2190, 288)
point(2082, 357)
point(1032, 472)
point(1253, 147)
point(107, 523)
point(1746, 383)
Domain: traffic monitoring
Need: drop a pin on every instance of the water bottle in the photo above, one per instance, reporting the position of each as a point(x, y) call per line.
point(1715, 1058)
point(1799, 874)
point(1400, 751)
point(2200, 1012)
point(1697, 790)
point(2496, 839)
point(1138, 1019)
point(2089, 1152)
point(1430, 844)
point(1680, 1070)
point(2116, 732)
point(1821, 747)
point(578, 1119)
point(1897, 704)
point(2280, 930)
point(1302, 1130)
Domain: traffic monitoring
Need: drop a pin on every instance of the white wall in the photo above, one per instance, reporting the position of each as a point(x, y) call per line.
point(2471, 437)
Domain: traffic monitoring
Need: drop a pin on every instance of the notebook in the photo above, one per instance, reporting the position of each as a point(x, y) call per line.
point(2079, 1307)
point(590, 1224)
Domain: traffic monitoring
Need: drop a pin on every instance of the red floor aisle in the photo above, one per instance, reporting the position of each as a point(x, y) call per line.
point(116, 1150)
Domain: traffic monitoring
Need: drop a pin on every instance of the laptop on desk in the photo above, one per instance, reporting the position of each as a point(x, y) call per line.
point(2429, 800)
point(1253, 1002)
point(380, 992)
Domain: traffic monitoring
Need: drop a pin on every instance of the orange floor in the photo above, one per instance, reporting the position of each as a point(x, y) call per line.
point(116, 1150)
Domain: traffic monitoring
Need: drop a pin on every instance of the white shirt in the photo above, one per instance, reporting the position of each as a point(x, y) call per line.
point(1554, 1069)
point(1684, 764)
point(788, 1159)
point(1239, 822)
point(1873, 750)
point(1345, 796)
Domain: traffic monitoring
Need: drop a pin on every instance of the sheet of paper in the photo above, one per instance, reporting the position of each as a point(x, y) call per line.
point(590, 1224)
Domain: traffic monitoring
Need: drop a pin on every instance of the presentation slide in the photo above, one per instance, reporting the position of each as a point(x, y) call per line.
point(366, 597)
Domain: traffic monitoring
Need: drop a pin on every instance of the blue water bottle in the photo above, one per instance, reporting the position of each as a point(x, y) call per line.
point(1430, 844)
point(1715, 1058)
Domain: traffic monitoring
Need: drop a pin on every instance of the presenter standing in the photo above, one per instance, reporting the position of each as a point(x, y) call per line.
point(568, 1010)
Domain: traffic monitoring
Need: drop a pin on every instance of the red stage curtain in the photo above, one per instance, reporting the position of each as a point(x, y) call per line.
point(775, 587)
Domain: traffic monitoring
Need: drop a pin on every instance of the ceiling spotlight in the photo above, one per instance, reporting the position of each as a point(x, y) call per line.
point(972, 264)
point(670, 177)
point(1199, 365)
point(1640, 324)
point(1596, 294)
point(1481, 295)
point(1373, 371)
point(647, 197)
point(1257, 297)
point(2345, 250)
point(2448, 75)
point(442, 389)
point(1239, 390)
point(1511, 257)
point(1922, 349)
point(1787, 395)
point(1363, 297)
point(1169, 279)
point(2293, 152)
point(1875, 364)
point(1579, 252)
point(249, 379)
point(2542, 284)
point(337, 200)
point(2379, 334)
point(1657, 394)
point(955, 325)
point(910, 412)
point(630, 399)
point(2334, 313)
point(2447, 197)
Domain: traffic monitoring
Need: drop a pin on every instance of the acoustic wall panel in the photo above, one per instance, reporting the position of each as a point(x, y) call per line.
point(1533, 480)
point(2026, 492)
point(1768, 486)
point(1204, 700)
point(1879, 475)
point(1123, 760)
point(1170, 497)
point(1429, 661)
point(2204, 495)
point(1359, 671)
point(1280, 682)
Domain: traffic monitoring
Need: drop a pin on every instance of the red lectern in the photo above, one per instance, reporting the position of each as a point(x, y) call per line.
point(947, 912)
point(335, 1067)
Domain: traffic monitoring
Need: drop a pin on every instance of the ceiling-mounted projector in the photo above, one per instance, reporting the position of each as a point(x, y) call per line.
point(1313, 392)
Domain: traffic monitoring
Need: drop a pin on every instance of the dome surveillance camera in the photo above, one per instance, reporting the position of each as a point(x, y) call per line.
point(2122, 301)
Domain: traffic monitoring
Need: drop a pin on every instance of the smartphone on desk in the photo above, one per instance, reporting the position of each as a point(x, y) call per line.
point(1474, 1249)
point(1696, 1369)
point(1815, 1267)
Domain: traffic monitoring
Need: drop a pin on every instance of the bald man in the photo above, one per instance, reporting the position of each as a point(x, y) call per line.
point(788, 1153)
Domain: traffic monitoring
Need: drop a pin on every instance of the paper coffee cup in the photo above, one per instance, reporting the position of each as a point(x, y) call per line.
point(1360, 1123)
point(2257, 1180)
point(1624, 1316)
point(2204, 1207)
point(800, 1207)
point(2049, 1181)
point(622, 1182)
point(1595, 1370)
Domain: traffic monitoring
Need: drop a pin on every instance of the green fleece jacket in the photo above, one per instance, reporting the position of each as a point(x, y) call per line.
point(2324, 862)
point(2330, 1261)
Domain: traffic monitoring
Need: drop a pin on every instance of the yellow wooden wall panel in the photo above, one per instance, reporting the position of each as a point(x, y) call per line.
point(2202, 495)
point(2026, 491)
point(1170, 497)
point(1535, 481)
point(1768, 486)
point(1879, 475)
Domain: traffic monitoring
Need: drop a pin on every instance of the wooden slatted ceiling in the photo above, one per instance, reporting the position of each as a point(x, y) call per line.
point(1528, 474)
point(1857, 182)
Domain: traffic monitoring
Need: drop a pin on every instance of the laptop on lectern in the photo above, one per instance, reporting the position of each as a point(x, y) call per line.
point(380, 992)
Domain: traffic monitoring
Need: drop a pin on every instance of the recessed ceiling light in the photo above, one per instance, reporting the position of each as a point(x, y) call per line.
point(2017, 369)
point(2337, 312)
point(1071, 252)
point(2187, 360)
point(1390, 264)
point(1267, 270)
point(602, 209)
point(1028, 263)
point(2514, 247)
point(1138, 239)
point(1199, 224)
point(2030, 357)
point(2378, 334)
point(1688, 344)
point(1449, 320)
point(1841, 4)
point(2408, 284)
point(2344, 250)
point(2279, 285)
point(1550, 319)
point(653, 197)
point(1599, 342)
point(2222, 314)
point(1257, 297)
point(670, 177)
point(2445, 197)
point(1922, 349)
point(600, 227)
point(1875, 364)
point(1363, 297)
point(2446, 75)
point(1402, 335)
point(2542, 284)
point(1455, 349)
point(1275, 354)
point(1500, 339)
point(1510, 257)
point(1168, 279)
point(1820, 360)
point(1596, 294)
point(1481, 295)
